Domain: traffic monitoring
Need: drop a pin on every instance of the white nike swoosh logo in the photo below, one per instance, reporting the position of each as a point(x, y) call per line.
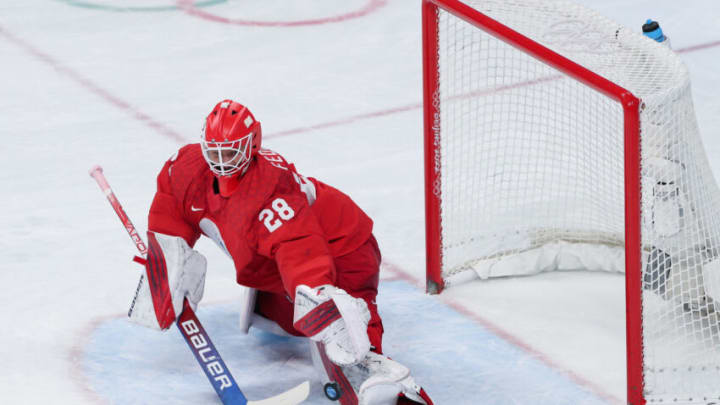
point(195, 209)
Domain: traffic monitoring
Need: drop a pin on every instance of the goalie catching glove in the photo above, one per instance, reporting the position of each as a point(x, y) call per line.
point(173, 272)
point(333, 317)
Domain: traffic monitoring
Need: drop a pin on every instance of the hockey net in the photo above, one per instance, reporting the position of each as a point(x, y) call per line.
point(557, 139)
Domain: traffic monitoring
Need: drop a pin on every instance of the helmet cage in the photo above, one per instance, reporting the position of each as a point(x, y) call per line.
point(221, 165)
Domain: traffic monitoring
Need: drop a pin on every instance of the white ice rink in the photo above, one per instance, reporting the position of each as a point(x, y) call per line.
point(337, 86)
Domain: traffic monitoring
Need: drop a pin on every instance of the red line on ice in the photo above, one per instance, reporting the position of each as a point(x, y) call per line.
point(345, 121)
point(693, 48)
point(161, 128)
point(417, 106)
point(93, 88)
point(369, 7)
point(409, 107)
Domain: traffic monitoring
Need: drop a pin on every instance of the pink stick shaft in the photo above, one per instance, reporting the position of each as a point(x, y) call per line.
point(97, 173)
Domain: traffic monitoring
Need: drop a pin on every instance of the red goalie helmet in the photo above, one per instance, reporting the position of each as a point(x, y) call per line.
point(231, 137)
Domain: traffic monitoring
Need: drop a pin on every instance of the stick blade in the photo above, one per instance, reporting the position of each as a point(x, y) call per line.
point(293, 396)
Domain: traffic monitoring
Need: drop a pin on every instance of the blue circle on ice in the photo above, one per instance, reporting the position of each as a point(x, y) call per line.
point(447, 353)
point(119, 8)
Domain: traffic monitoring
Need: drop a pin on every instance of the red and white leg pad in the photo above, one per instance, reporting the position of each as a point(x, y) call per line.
point(173, 272)
point(376, 380)
point(333, 317)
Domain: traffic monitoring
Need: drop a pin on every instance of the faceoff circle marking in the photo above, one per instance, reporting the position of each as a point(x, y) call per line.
point(191, 8)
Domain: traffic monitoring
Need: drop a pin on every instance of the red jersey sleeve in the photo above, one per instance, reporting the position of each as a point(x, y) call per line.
point(166, 214)
point(288, 231)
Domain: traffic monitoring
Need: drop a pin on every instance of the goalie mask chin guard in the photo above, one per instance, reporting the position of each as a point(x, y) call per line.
point(230, 139)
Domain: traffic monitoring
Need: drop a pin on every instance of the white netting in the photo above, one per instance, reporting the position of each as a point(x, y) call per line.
point(533, 174)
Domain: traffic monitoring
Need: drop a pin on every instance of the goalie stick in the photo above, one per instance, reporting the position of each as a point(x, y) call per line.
point(192, 330)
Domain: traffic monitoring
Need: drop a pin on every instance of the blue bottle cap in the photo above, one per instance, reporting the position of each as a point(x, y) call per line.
point(652, 29)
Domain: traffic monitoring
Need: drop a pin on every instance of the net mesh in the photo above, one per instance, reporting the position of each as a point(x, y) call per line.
point(532, 169)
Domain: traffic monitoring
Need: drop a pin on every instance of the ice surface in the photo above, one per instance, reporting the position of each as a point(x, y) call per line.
point(132, 365)
point(339, 97)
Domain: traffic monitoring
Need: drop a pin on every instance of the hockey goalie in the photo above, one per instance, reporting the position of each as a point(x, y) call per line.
point(303, 251)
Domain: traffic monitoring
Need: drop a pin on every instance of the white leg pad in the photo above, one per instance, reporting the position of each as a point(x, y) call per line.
point(384, 380)
point(376, 380)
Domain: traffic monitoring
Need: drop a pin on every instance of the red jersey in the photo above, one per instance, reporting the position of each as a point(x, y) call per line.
point(280, 228)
